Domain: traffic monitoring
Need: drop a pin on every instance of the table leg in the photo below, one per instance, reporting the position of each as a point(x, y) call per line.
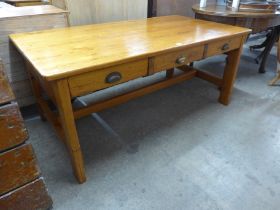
point(278, 60)
point(66, 116)
point(169, 73)
point(273, 38)
point(262, 45)
point(36, 88)
point(277, 78)
point(229, 76)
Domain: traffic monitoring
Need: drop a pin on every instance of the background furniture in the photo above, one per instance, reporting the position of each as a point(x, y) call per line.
point(277, 77)
point(21, 186)
point(24, 19)
point(256, 21)
point(5, 5)
point(116, 53)
point(99, 11)
point(172, 7)
point(22, 3)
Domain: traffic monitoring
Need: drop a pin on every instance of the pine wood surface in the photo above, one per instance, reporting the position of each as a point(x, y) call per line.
point(82, 49)
point(74, 57)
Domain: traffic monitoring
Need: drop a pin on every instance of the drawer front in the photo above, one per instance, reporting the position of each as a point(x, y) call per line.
point(103, 78)
point(222, 46)
point(12, 129)
point(17, 167)
point(178, 58)
point(31, 196)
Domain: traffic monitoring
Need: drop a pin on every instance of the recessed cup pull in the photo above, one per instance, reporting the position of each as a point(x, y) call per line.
point(225, 47)
point(113, 77)
point(181, 60)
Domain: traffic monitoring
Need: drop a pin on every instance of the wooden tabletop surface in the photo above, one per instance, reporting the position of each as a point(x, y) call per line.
point(221, 10)
point(61, 53)
point(11, 12)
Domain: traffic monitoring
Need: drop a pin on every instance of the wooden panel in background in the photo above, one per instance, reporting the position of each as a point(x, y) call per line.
point(12, 129)
point(99, 11)
point(32, 196)
point(59, 3)
point(17, 167)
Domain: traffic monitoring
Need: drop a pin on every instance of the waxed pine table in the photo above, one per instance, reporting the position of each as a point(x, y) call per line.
point(72, 62)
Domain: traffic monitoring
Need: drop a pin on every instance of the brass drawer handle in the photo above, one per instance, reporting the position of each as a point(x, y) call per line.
point(225, 47)
point(113, 77)
point(181, 60)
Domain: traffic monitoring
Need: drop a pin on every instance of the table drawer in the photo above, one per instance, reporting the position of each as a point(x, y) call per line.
point(177, 58)
point(103, 78)
point(222, 46)
point(17, 168)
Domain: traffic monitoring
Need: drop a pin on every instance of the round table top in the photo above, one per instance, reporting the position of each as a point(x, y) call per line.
point(221, 10)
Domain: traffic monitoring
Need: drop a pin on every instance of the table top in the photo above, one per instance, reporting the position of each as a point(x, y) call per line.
point(60, 53)
point(12, 12)
point(221, 10)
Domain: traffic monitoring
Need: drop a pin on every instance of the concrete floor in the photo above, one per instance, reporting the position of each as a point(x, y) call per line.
point(176, 149)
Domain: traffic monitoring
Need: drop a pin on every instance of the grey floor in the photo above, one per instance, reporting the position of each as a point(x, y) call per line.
point(174, 149)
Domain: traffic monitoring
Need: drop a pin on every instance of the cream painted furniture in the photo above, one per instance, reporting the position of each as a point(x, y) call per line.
point(24, 19)
point(68, 63)
point(100, 11)
point(23, 3)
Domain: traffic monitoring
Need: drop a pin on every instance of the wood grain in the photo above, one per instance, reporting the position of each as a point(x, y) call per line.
point(100, 11)
point(105, 45)
point(80, 58)
point(17, 167)
point(32, 196)
point(215, 48)
point(257, 21)
point(6, 93)
point(230, 73)
point(168, 60)
point(90, 82)
point(64, 106)
point(12, 129)
point(133, 94)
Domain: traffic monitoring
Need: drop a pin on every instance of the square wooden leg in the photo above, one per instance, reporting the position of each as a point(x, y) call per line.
point(169, 73)
point(66, 116)
point(277, 77)
point(36, 88)
point(229, 76)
